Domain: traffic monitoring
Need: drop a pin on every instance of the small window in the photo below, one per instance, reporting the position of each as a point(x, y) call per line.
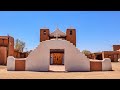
point(70, 32)
point(44, 32)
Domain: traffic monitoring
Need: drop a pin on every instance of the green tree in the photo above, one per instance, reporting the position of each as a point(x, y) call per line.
point(19, 45)
point(86, 52)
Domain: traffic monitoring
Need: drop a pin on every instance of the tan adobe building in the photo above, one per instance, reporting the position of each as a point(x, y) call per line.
point(57, 48)
point(113, 55)
point(6, 48)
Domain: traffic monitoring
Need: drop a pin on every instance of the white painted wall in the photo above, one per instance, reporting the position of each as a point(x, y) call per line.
point(119, 60)
point(74, 60)
point(106, 64)
point(11, 63)
point(39, 59)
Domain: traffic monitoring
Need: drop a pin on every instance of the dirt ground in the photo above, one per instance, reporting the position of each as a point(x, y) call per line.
point(115, 74)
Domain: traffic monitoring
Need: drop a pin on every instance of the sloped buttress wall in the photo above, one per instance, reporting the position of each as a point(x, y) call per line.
point(74, 60)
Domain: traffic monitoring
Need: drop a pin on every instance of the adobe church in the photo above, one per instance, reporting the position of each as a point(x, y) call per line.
point(57, 55)
point(57, 48)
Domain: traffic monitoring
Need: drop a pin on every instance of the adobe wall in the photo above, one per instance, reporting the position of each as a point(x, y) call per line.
point(11, 63)
point(90, 56)
point(116, 47)
point(18, 54)
point(113, 55)
point(39, 59)
point(11, 46)
point(20, 64)
point(8, 41)
point(95, 65)
point(3, 55)
point(101, 65)
point(4, 41)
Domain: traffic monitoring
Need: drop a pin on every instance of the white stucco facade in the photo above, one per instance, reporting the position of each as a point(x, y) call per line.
point(106, 64)
point(74, 60)
point(11, 63)
point(39, 58)
point(119, 60)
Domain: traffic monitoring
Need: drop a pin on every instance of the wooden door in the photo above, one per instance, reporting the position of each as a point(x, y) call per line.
point(57, 58)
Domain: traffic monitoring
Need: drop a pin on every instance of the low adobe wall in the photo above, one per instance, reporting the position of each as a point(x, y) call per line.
point(19, 64)
point(101, 65)
point(16, 64)
point(95, 65)
point(11, 63)
point(113, 55)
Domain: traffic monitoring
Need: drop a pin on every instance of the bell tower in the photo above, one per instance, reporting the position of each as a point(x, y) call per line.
point(71, 35)
point(44, 34)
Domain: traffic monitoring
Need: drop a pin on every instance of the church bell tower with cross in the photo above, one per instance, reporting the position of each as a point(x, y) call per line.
point(70, 35)
point(44, 34)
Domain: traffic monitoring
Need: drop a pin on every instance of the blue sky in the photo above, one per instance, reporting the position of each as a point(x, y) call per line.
point(96, 30)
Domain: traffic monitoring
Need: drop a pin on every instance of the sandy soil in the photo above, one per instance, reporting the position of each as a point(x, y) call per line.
point(115, 74)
